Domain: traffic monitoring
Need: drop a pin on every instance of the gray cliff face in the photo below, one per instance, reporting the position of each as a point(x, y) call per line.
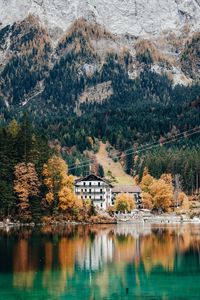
point(37, 34)
point(136, 17)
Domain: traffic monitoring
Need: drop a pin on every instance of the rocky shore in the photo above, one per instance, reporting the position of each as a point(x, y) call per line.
point(117, 219)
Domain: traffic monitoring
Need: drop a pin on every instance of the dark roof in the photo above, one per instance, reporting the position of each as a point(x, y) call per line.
point(93, 177)
point(126, 189)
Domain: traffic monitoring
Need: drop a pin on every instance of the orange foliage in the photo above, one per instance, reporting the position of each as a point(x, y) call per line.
point(26, 184)
point(67, 199)
point(155, 251)
point(162, 194)
point(147, 180)
point(183, 202)
point(24, 270)
point(124, 202)
point(58, 183)
point(147, 200)
point(167, 178)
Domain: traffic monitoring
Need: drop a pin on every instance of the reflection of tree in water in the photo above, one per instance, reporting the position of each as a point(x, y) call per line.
point(100, 258)
point(56, 281)
point(125, 247)
point(24, 265)
point(158, 250)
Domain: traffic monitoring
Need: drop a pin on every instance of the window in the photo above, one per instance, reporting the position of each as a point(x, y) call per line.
point(101, 191)
point(90, 184)
point(101, 197)
point(84, 183)
point(101, 205)
point(99, 183)
point(90, 191)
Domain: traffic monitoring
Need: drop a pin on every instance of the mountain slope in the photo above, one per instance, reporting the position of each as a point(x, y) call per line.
point(94, 85)
point(25, 49)
point(85, 64)
point(109, 166)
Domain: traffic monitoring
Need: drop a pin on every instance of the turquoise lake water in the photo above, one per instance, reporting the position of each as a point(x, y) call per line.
point(100, 262)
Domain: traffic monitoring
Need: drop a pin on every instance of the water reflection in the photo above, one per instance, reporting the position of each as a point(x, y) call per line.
point(97, 261)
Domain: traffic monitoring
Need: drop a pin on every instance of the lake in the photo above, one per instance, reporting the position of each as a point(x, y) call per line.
point(100, 262)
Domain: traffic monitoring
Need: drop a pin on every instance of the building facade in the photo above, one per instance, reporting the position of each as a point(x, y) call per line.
point(102, 193)
point(95, 188)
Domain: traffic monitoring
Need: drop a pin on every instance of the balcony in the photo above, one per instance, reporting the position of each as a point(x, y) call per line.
point(90, 194)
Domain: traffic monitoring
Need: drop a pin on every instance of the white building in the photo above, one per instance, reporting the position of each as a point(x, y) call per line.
point(93, 256)
point(95, 188)
point(102, 193)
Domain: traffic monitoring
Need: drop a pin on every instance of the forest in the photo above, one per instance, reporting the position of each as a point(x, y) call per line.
point(36, 184)
point(34, 179)
point(141, 111)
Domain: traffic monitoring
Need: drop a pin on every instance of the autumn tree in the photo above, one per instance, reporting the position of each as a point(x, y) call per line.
point(146, 181)
point(147, 200)
point(157, 193)
point(136, 180)
point(68, 201)
point(13, 128)
point(183, 201)
point(26, 186)
point(124, 202)
point(167, 178)
point(162, 194)
point(59, 185)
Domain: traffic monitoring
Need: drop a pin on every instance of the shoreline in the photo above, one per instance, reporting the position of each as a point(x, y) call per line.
point(157, 220)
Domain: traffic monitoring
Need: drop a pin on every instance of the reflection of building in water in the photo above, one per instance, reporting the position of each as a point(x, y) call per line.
point(122, 243)
point(97, 253)
point(134, 229)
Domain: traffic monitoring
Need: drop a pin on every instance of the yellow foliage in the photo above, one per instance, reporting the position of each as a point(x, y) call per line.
point(58, 183)
point(124, 202)
point(68, 200)
point(78, 203)
point(162, 194)
point(26, 184)
point(146, 182)
point(49, 198)
point(147, 200)
point(184, 201)
point(13, 128)
point(157, 194)
point(167, 178)
point(68, 181)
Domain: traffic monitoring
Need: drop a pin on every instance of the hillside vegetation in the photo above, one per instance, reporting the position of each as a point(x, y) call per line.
point(58, 86)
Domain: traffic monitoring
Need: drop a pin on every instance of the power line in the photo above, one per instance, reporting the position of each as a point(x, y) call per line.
point(147, 147)
point(158, 142)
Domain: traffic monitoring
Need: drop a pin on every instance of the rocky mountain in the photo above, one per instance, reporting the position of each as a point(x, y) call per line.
point(135, 17)
point(126, 72)
point(32, 63)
